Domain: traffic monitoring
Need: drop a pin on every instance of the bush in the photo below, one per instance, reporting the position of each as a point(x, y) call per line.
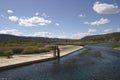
point(34, 50)
point(1, 53)
point(30, 51)
point(17, 50)
point(44, 50)
point(8, 53)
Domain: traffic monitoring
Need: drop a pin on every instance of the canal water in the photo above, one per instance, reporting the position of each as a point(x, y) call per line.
point(94, 62)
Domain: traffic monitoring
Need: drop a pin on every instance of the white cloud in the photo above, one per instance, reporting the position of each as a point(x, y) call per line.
point(11, 31)
point(44, 15)
point(33, 21)
point(10, 11)
point(57, 24)
point(79, 35)
point(104, 8)
point(36, 13)
point(42, 24)
point(13, 18)
point(44, 34)
point(30, 22)
point(82, 15)
point(92, 30)
point(22, 22)
point(49, 35)
point(98, 22)
point(108, 30)
point(63, 36)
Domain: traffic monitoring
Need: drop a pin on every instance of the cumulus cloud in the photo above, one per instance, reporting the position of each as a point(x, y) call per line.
point(13, 18)
point(64, 36)
point(79, 35)
point(10, 11)
point(49, 35)
point(22, 22)
point(34, 21)
point(11, 31)
point(44, 34)
point(30, 22)
point(98, 22)
point(108, 30)
point(104, 8)
point(82, 15)
point(92, 30)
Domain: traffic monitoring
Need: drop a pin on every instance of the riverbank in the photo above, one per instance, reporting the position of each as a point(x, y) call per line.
point(19, 60)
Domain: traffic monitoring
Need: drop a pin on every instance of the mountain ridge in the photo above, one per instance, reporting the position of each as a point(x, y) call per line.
point(13, 37)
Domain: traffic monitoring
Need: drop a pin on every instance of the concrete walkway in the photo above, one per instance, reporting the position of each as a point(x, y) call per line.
point(19, 59)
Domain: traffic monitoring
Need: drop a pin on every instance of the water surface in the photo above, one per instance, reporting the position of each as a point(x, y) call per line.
point(100, 62)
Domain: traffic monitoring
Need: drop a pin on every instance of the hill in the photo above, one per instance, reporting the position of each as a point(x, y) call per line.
point(21, 38)
point(110, 37)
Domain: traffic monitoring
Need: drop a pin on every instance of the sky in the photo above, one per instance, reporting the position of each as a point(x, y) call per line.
point(71, 19)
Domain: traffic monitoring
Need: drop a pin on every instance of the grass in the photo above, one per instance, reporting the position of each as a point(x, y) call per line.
point(31, 47)
point(23, 50)
point(30, 50)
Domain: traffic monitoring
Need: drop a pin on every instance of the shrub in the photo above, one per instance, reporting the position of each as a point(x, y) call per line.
point(44, 50)
point(1, 53)
point(17, 50)
point(8, 53)
point(30, 50)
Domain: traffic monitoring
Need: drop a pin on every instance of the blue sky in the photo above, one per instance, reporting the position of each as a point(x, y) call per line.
point(59, 18)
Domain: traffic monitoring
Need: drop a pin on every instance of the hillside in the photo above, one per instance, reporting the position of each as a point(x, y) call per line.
point(12, 37)
point(111, 37)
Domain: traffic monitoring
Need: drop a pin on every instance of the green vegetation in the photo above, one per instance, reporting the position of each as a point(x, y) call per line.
point(32, 45)
point(23, 47)
point(8, 53)
point(17, 50)
point(111, 37)
point(31, 50)
point(29, 47)
point(34, 50)
point(1, 53)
